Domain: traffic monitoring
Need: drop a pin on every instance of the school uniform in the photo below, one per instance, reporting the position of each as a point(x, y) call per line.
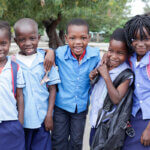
point(36, 99)
point(141, 102)
point(72, 97)
point(98, 96)
point(11, 130)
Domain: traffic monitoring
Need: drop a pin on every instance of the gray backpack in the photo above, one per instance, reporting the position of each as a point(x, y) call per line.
point(110, 134)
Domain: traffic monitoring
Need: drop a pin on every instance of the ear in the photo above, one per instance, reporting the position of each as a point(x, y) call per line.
point(39, 37)
point(89, 36)
point(66, 38)
point(15, 40)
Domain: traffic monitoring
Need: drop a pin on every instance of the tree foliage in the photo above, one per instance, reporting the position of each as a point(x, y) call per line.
point(102, 15)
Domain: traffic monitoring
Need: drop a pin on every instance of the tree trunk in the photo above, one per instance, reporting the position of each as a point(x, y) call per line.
point(62, 36)
point(50, 25)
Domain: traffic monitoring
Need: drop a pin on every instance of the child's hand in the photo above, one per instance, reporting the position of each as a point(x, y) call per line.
point(145, 138)
point(93, 74)
point(102, 69)
point(49, 59)
point(48, 123)
point(104, 59)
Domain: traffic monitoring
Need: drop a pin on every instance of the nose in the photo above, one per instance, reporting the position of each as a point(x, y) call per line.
point(78, 41)
point(28, 42)
point(114, 55)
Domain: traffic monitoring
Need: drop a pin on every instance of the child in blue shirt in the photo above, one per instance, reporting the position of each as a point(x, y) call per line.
point(116, 63)
point(39, 98)
point(138, 36)
point(11, 107)
point(75, 61)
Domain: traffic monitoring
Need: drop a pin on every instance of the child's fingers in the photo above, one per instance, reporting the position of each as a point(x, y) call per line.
point(47, 65)
point(142, 140)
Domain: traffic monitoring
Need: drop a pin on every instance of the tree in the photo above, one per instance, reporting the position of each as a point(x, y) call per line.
point(147, 7)
point(54, 14)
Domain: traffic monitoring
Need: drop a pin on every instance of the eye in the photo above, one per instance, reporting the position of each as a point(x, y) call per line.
point(21, 39)
point(3, 43)
point(71, 38)
point(110, 50)
point(121, 53)
point(84, 38)
point(32, 38)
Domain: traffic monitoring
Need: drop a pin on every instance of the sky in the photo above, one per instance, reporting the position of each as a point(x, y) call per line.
point(137, 7)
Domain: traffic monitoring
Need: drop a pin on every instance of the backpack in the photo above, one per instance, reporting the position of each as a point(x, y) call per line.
point(14, 70)
point(110, 134)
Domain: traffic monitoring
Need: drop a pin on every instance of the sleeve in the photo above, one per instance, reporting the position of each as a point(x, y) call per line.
point(20, 79)
point(53, 76)
point(131, 79)
point(98, 60)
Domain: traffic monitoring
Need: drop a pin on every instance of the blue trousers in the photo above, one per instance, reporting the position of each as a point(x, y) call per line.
point(139, 125)
point(68, 130)
point(37, 139)
point(92, 133)
point(11, 136)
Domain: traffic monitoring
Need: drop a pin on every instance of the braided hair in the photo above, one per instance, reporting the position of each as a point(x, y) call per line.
point(135, 24)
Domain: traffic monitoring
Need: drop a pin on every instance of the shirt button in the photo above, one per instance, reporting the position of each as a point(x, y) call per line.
point(78, 78)
point(138, 85)
point(141, 102)
point(76, 96)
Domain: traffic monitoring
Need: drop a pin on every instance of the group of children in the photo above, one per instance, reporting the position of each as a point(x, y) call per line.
point(28, 109)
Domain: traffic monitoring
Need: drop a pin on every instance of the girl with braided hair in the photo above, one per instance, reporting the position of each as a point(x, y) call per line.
point(137, 31)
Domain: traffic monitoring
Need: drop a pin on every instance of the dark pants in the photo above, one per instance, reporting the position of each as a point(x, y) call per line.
point(139, 125)
point(11, 136)
point(68, 130)
point(37, 139)
point(92, 133)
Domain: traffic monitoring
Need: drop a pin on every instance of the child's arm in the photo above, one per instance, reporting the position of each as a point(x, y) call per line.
point(93, 74)
point(116, 94)
point(20, 104)
point(49, 59)
point(49, 117)
point(145, 138)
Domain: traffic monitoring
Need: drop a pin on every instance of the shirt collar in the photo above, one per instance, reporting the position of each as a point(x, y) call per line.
point(88, 54)
point(81, 57)
point(120, 68)
point(144, 61)
point(8, 64)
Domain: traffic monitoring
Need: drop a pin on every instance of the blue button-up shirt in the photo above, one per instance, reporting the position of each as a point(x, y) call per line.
point(141, 97)
point(75, 82)
point(36, 95)
point(8, 107)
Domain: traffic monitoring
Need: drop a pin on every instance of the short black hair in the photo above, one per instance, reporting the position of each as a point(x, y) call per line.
point(24, 22)
point(4, 25)
point(78, 22)
point(132, 26)
point(119, 35)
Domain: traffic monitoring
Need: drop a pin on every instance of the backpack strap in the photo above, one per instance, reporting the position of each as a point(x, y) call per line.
point(148, 69)
point(14, 70)
point(108, 105)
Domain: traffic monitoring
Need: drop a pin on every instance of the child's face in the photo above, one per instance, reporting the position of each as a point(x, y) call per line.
point(141, 46)
point(77, 38)
point(27, 39)
point(4, 44)
point(117, 53)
